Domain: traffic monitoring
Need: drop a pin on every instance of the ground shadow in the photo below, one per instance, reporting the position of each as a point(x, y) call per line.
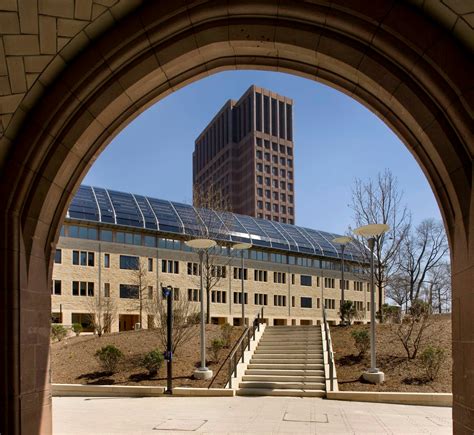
point(416, 380)
point(94, 375)
point(350, 360)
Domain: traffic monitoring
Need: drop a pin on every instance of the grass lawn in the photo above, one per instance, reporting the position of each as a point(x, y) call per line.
point(73, 360)
point(401, 374)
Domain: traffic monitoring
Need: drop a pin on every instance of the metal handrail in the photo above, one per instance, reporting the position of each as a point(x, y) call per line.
point(329, 350)
point(250, 334)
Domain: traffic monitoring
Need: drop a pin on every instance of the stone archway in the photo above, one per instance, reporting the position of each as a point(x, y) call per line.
point(392, 58)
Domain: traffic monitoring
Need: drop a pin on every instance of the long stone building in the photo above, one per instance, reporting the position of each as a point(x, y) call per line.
point(292, 272)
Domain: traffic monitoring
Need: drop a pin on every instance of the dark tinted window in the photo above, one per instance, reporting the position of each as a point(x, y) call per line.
point(128, 262)
point(306, 280)
point(306, 303)
point(128, 291)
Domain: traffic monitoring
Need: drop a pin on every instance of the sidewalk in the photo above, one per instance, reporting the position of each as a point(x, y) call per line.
point(242, 415)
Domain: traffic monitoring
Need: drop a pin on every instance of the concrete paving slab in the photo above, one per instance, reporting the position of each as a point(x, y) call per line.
point(242, 415)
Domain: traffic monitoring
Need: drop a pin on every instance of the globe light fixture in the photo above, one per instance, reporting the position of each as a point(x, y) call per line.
point(371, 232)
point(200, 245)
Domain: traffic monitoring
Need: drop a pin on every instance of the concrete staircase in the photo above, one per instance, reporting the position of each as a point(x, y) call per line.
point(287, 362)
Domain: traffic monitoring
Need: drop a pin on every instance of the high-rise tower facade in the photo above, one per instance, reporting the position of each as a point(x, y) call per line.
point(246, 153)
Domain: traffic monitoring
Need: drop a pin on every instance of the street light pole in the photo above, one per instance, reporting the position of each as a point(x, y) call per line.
point(373, 369)
point(201, 245)
point(370, 232)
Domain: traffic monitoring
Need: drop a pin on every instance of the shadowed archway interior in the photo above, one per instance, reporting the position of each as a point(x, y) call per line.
point(416, 76)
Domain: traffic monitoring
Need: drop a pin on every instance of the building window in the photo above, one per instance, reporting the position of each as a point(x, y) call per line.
point(279, 300)
point(306, 302)
point(290, 199)
point(238, 298)
point(260, 275)
point(293, 278)
point(58, 256)
point(83, 258)
point(106, 261)
point(259, 167)
point(150, 265)
point(290, 175)
point(282, 161)
point(330, 304)
point(274, 146)
point(275, 159)
point(290, 163)
point(218, 297)
point(238, 273)
point(282, 185)
point(193, 295)
point(279, 277)
point(259, 179)
point(358, 286)
point(267, 157)
point(129, 262)
point(289, 151)
point(193, 269)
point(329, 283)
point(259, 191)
point(176, 294)
point(259, 153)
point(306, 280)
point(150, 292)
point(346, 282)
point(266, 143)
point(290, 187)
point(267, 181)
point(169, 266)
point(260, 204)
point(260, 299)
point(128, 291)
point(56, 288)
point(293, 301)
point(267, 194)
point(107, 289)
point(81, 288)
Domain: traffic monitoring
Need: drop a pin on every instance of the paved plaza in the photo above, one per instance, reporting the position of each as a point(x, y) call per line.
point(256, 415)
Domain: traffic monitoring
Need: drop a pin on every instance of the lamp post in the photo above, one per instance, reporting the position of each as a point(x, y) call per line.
point(168, 294)
point(370, 232)
point(242, 247)
point(201, 245)
point(343, 241)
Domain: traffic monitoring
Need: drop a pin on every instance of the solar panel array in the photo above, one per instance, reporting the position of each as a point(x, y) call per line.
point(95, 204)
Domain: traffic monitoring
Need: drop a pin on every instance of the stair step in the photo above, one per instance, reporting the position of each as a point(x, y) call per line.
point(278, 366)
point(275, 378)
point(264, 360)
point(284, 372)
point(280, 392)
point(283, 385)
point(289, 353)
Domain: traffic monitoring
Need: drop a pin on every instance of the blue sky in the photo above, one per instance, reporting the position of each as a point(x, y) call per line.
point(336, 140)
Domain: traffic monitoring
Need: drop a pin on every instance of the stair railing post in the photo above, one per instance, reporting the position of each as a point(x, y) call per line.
point(230, 373)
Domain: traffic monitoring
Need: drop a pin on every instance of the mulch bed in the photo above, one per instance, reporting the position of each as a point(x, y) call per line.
point(73, 360)
point(401, 374)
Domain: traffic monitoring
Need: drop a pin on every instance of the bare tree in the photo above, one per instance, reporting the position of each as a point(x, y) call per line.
point(438, 290)
point(140, 282)
point(213, 223)
point(185, 319)
point(422, 251)
point(397, 289)
point(412, 330)
point(380, 201)
point(102, 311)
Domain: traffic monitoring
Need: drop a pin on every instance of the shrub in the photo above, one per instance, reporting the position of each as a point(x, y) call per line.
point(348, 312)
point(76, 328)
point(109, 356)
point(216, 346)
point(194, 318)
point(152, 361)
point(361, 340)
point(226, 331)
point(58, 331)
point(432, 359)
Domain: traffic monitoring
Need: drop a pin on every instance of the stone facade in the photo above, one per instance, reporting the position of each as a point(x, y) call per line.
point(287, 311)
